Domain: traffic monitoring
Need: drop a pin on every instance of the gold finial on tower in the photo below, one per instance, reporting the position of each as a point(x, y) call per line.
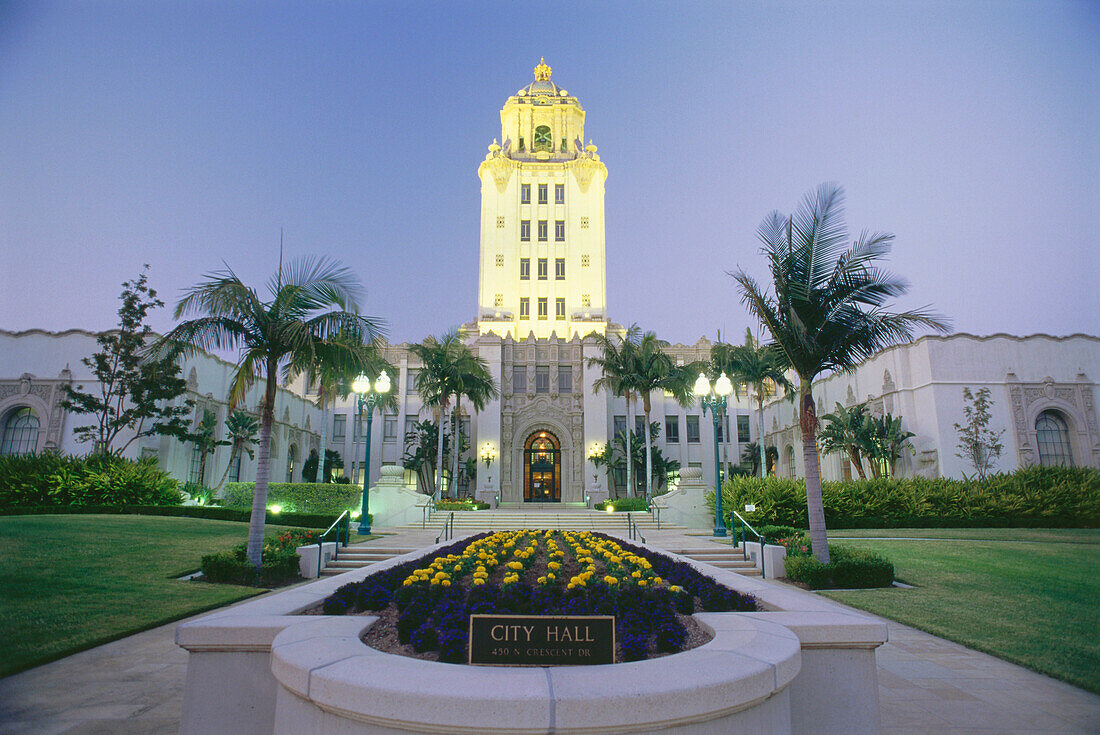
point(542, 71)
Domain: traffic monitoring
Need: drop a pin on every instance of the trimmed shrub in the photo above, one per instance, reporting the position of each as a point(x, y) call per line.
point(777, 534)
point(52, 479)
point(624, 505)
point(280, 562)
point(451, 504)
point(847, 568)
point(297, 497)
point(1044, 497)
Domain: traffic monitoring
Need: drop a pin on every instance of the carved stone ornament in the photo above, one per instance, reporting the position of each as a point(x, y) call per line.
point(501, 169)
point(584, 169)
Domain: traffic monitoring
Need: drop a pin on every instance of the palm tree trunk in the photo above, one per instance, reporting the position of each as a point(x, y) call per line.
point(232, 456)
point(457, 447)
point(760, 429)
point(321, 477)
point(263, 471)
point(815, 510)
point(629, 448)
point(648, 450)
point(438, 493)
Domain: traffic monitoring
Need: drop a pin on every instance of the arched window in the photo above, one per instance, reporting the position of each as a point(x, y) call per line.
point(1052, 435)
point(196, 465)
point(544, 141)
point(20, 432)
point(790, 461)
point(235, 469)
point(291, 456)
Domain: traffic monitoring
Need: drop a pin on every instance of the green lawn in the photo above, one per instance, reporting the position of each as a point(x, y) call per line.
point(1052, 535)
point(1034, 604)
point(70, 582)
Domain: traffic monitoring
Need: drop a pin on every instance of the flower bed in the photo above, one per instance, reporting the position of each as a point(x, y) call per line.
point(280, 561)
point(425, 605)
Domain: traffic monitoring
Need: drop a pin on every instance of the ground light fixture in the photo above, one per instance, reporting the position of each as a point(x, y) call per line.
point(713, 397)
point(369, 397)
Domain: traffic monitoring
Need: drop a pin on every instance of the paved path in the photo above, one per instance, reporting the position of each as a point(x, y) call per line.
point(927, 685)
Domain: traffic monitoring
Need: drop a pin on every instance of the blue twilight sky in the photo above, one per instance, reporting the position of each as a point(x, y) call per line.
point(180, 134)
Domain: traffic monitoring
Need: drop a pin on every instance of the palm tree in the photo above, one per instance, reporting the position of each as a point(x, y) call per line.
point(653, 370)
point(761, 367)
point(826, 310)
point(311, 302)
point(888, 439)
point(205, 439)
point(617, 363)
point(240, 432)
point(451, 369)
point(845, 433)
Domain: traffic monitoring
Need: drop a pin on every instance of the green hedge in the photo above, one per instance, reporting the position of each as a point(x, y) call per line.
point(211, 512)
point(624, 505)
point(451, 504)
point(52, 479)
point(297, 497)
point(280, 562)
point(847, 568)
point(1043, 497)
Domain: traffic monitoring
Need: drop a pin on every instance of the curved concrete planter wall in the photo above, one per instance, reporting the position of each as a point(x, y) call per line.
point(259, 668)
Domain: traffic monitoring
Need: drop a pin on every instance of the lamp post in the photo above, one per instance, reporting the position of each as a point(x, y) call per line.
point(714, 398)
point(369, 398)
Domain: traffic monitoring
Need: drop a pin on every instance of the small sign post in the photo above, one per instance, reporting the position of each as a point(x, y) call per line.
point(749, 508)
point(542, 640)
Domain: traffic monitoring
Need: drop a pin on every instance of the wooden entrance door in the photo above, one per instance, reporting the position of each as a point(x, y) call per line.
point(542, 468)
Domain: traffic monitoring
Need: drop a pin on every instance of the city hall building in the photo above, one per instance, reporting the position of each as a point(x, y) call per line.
point(541, 299)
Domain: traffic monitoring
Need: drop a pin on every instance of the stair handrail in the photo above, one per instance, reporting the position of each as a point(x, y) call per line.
point(632, 529)
point(426, 511)
point(747, 527)
point(347, 537)
point(448, 528)
point(657, 508)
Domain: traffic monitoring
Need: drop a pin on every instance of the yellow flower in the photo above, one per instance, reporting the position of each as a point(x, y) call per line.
point(641, 583)
point(610, 580)
point(674, 588)
point(553, 565)
point(479, 581)
point(446, 583)
point(636, 574)
point(657, 580)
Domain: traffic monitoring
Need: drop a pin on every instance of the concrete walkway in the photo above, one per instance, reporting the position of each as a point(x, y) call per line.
point(927, 685)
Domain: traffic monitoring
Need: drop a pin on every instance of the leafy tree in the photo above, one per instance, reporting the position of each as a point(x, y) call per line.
point(761, 367)
point(311, 301)
point(826, 310)
point(655, 370)
point(134, 391)
point(978, 444)
point(888, 440)
point(420, 452)
point(205, 438)
point(333, 461)
point(617, 364)
point(240, 430)
point(846, 434)
point(451, 370)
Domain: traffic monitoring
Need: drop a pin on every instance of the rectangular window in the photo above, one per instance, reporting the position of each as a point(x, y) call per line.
point(542, 230)
point(565, 379)
point(723, 426)
point(639, 425)
point(672, 429)
point(543, 268)
point(543, 307)
point(543, 199)
point(525, 308)
point(500, 223)
point(464, 426)
point(524, 193)
point(389, 426)
point(410, 389)
point(585, 260)
point(410, 427)
point(584, 223)
point(542, 378)
point(743, 429)
point(559, 269)
point(525, 230)
point(559, 308)
point(525, 269)
point(586, 300)
point(498, 300)
point(559, 230)
point(519, 379)
point(559, 189)
point(235, 469)
point(339, 427)
point(499, 260)
point(619, 425)
point(692, 429)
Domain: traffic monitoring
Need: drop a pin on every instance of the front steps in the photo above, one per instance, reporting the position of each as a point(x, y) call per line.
point(555, 517)
point(356, 557)
point(722, 556)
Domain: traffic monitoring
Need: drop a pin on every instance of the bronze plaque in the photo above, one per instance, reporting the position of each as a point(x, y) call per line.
point(542, 640)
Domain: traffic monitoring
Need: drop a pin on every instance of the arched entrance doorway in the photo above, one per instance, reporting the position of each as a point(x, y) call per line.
point(542, 468)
